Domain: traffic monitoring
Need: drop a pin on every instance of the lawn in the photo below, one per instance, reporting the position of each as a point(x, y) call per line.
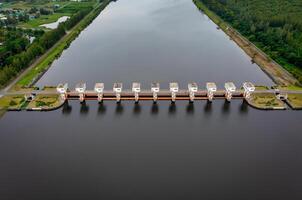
point(11, 101)
point(295, 100)
point(265, 101)
point(45, 101)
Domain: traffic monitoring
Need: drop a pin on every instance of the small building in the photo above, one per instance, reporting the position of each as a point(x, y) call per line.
point(174, 87)
point(249, 87)
point(211, 87)
point(62, 88)
point(99, 87)
point(80, 87)
point(193, 87)
point(155, 87)
point(230, 87)
point(136, 87)
point(117, 87)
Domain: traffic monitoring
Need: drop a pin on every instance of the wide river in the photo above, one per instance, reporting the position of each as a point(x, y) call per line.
point(145, 151)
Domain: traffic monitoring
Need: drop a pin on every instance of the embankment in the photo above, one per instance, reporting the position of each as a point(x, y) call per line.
point(276, 72)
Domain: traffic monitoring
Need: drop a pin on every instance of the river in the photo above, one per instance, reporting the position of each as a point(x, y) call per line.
point(146, 151)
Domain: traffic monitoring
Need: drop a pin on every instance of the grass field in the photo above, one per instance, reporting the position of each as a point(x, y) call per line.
point(45, 102)
point(295, 100)
point(11, 101)
point(266, 101)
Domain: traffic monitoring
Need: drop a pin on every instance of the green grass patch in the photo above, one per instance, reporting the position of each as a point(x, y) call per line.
point(260, 87)
point(290, 87)
point(74, 7)
point(265, 101)
point(295, 100)
point(11, 101)
point(45, 101)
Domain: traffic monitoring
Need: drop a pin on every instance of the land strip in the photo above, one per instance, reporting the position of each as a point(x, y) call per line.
point(276, 72)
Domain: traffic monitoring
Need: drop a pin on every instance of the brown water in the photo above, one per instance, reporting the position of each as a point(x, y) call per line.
point(147, 151)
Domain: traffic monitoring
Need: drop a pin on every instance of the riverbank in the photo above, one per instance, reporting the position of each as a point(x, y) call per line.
point(32, 74)
point(276, 72)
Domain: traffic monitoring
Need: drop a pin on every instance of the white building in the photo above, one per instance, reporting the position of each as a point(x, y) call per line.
point(230, 88)
point(193, 88)
point(173, 89)
point(211, 88)
point(81, 88)
point(248, 89)
point(117, 88)
point(155, 87)
point(62, 89)
point(99, 89)
point(136, 88)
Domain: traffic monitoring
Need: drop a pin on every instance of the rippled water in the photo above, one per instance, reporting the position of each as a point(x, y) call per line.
point(152, 151)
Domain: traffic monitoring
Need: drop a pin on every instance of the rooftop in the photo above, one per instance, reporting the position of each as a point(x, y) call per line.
point(81, 85)
point(117, 85)
point(211, 86)
point(155, 85)
point(230, 86)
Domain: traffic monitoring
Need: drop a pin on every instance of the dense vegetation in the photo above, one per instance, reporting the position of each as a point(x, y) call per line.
point(273, 25)
point(27, 55)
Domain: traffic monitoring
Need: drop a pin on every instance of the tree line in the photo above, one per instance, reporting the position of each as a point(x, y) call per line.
point(273, 25)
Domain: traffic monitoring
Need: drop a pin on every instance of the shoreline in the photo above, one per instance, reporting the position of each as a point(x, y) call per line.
point(276, 72)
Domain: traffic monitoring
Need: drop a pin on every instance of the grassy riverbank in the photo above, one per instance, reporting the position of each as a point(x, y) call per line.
point(43, 64)
point(276, 72)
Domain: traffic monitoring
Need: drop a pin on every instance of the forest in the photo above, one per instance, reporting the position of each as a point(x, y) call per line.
point(275, 26)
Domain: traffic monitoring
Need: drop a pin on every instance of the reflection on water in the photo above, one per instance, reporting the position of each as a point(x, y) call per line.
point(119, 108)
point(244, 107)
point(84, 108)
point(226, 107)
point(101, 108)
point(172, 108)
point(190, 108)
point(66, 110)
point(154, 108)
point(208, 107)
point(137, 109)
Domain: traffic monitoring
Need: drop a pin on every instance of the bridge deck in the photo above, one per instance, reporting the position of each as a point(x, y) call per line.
point(148, 95)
